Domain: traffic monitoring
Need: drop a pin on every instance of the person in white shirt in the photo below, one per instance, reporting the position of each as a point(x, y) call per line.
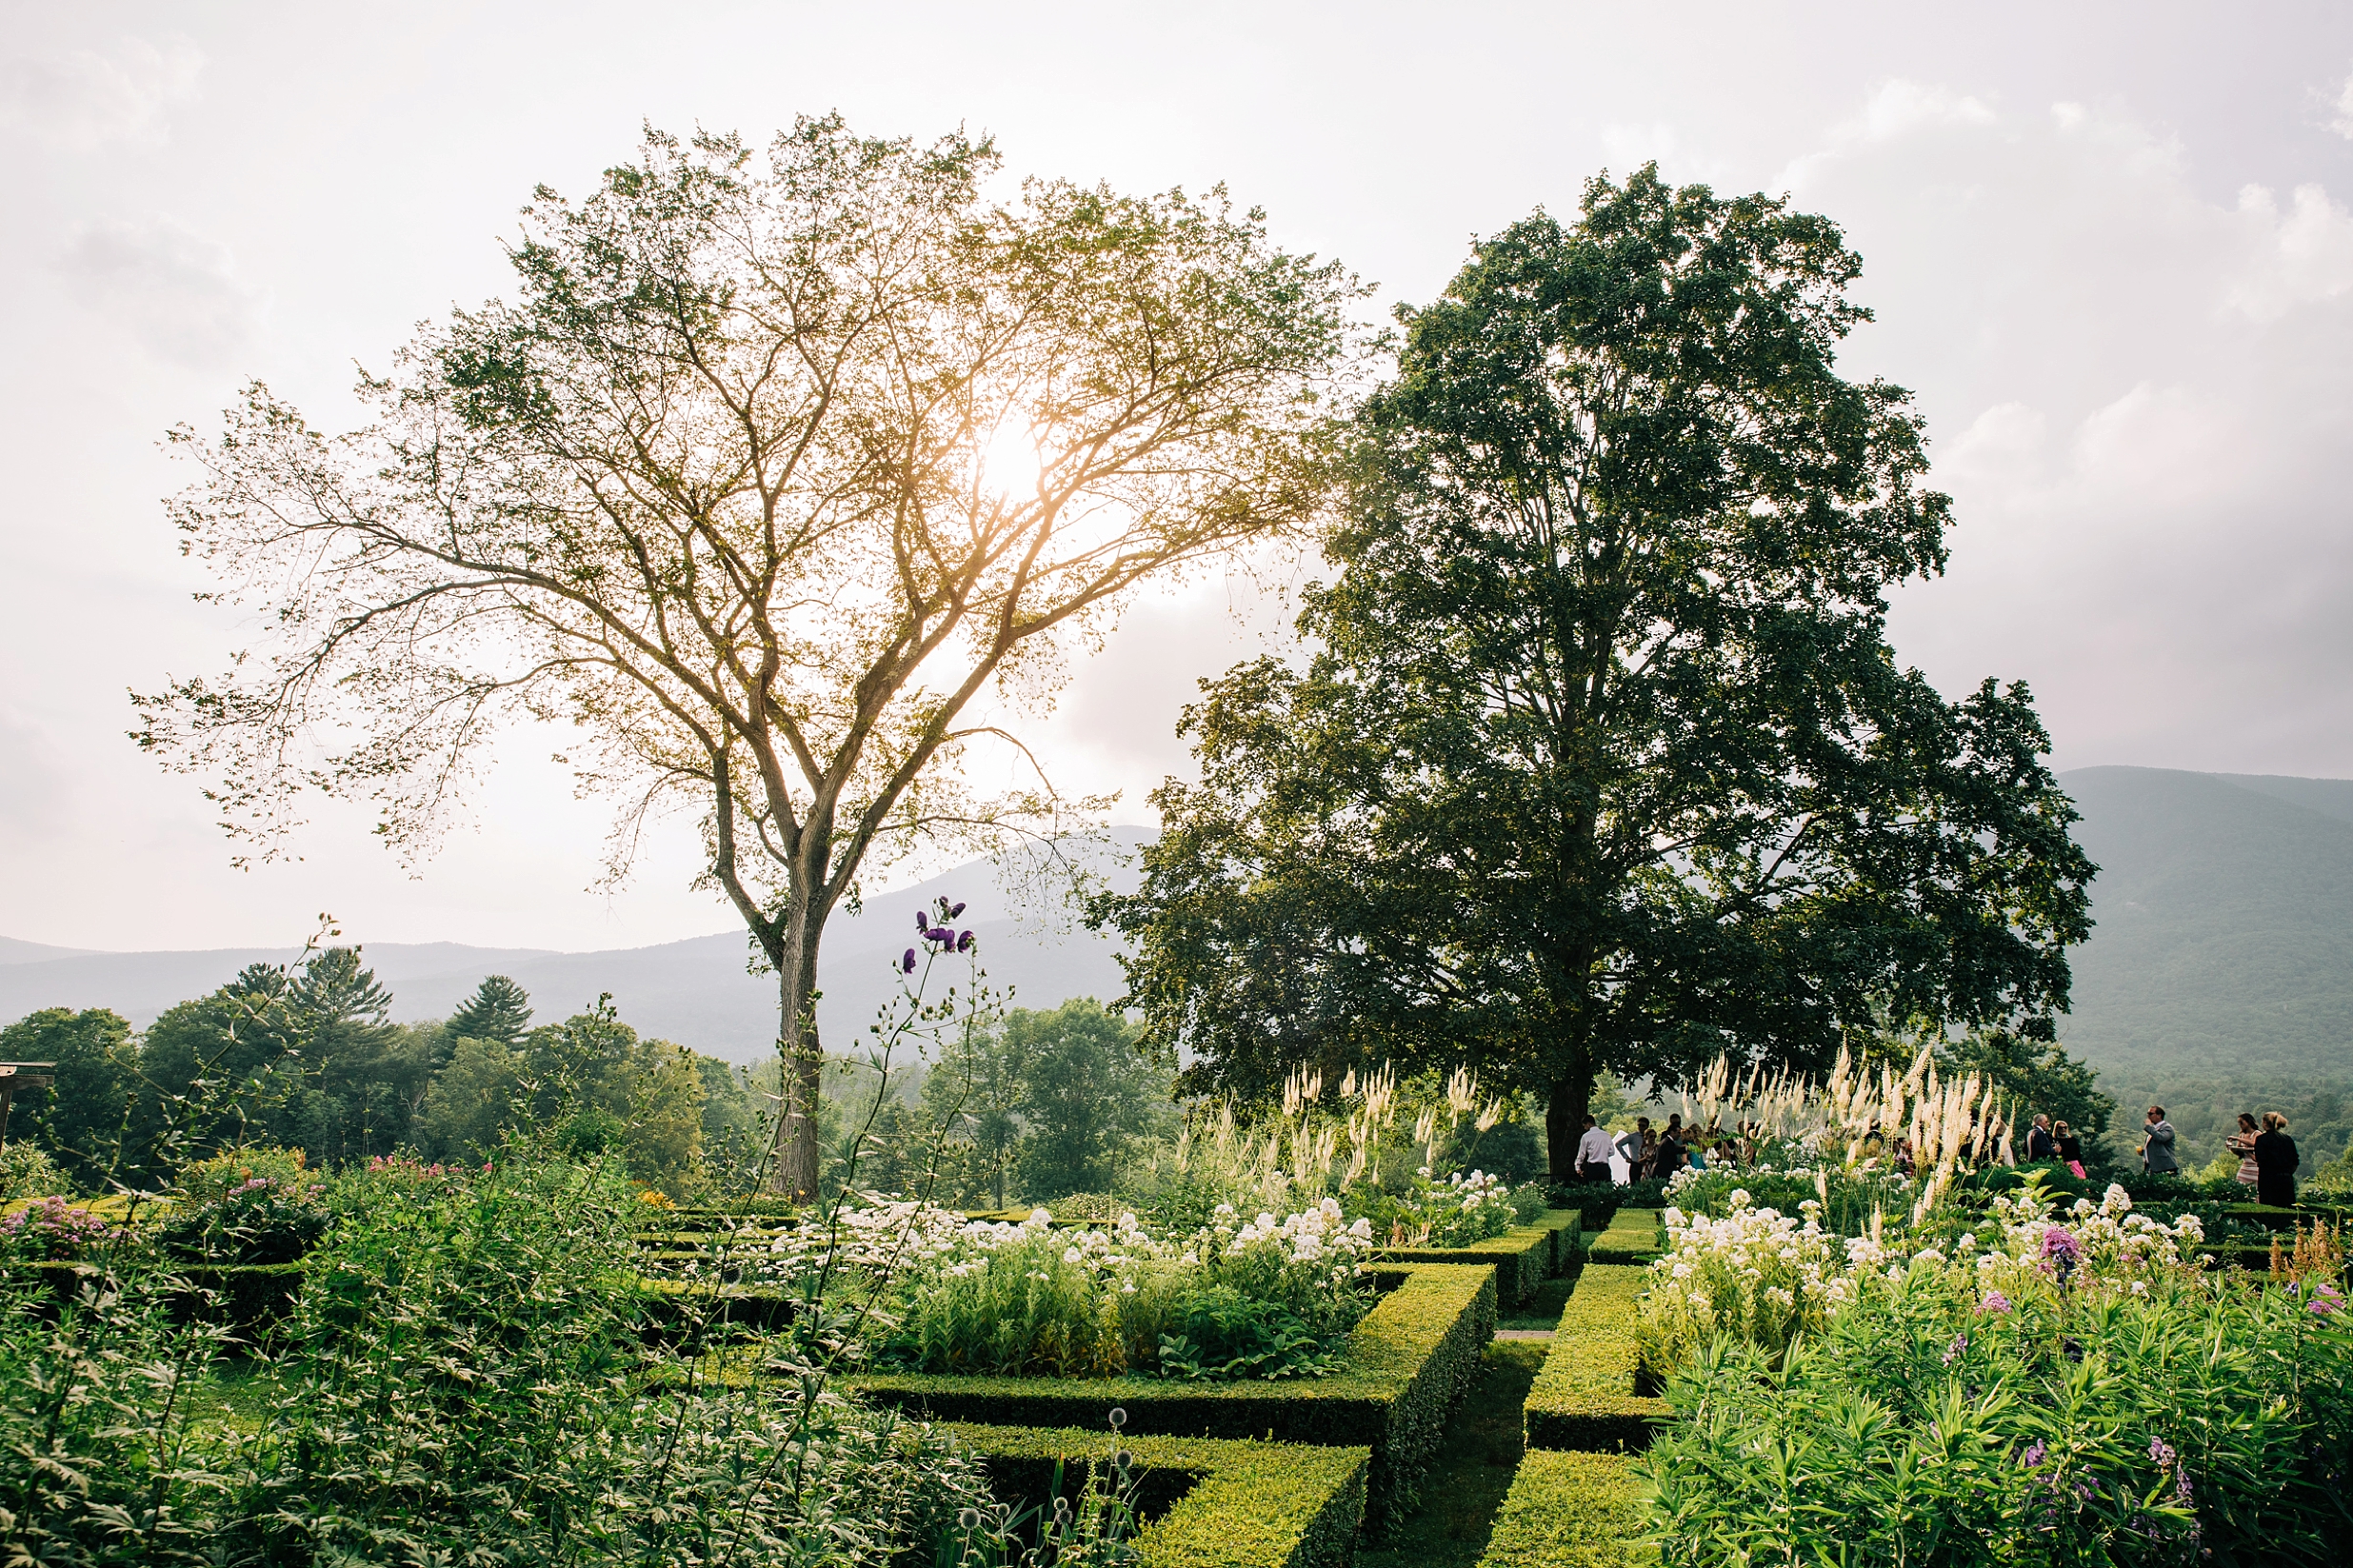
point(1593, 1151)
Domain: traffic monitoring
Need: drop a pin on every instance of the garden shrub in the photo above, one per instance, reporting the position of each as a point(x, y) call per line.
point(1568, 1510)
point(1940, 1421)
point(26, 1171)
point(1209, 1502)
point(1586, 1395)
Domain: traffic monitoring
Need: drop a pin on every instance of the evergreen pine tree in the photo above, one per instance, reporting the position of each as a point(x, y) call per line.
point(499, 1009)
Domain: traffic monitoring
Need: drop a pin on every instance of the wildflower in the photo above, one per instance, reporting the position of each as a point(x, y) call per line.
point(1994, 1303)
point(963, 943)
point(1952, 1352)
point(906, 961)
point(2036, 1452)
point(2163, 1453)
point(2326, 1301)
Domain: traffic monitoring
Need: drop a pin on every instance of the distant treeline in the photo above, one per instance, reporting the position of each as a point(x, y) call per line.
point(1031, 1106)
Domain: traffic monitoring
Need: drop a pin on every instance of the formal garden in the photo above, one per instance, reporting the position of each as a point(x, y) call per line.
point(1595, 788)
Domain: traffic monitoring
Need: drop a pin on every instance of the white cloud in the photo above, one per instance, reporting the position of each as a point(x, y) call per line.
point(177, 292)
point(2298, 258)
point(1900, 107)
point(82, 99)
point(2343, 123)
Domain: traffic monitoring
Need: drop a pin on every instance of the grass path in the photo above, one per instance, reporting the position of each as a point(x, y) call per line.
point(1476, 1462)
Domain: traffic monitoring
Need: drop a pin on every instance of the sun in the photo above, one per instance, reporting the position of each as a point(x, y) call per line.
point(1012, 461)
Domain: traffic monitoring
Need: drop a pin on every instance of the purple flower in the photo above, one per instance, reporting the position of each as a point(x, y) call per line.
point(922, 921)
point(2059, 1242)
point(906, 962)
point(2326, 1299)
point(955, 911)
point(1994, 1303)
point(1952, 1352)
point(2032, 1458)
point(963, 943)
point(2163, 1453)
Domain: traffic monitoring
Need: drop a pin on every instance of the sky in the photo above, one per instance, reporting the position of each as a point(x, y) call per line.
point(2109, 248)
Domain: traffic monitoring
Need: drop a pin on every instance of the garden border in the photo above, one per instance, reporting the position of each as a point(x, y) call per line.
point(1599, 1247)
point(1251, 1504)
point(1570, 1509)
point(1584, 1397)
point(1522, 1258)
point(1408, 1362)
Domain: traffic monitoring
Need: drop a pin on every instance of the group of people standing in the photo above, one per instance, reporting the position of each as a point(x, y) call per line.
point(1653, 1154)
point(2267, 1157)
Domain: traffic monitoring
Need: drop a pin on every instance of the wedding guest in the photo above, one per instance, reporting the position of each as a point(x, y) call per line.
point(2155, 1150)
point(2275, 1163)
point(2242, 1145)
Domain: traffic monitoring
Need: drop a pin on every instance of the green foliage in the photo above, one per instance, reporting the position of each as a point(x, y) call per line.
point(245, 1206)
point(1569, 1510)
point(84, 1117)
point(1218, 1335)
point(2203, 1416)
point(2037, 1076)
point(1086, 1093)
point(100, 1462)
point(1024, 1310)
point(1245, 1504)
point(1602, 760)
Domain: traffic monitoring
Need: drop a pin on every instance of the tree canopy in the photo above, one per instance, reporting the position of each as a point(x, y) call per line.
point(765, 478)
point(1601, 760)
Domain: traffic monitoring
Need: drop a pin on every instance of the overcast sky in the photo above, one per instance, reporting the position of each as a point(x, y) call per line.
point(2110, 247)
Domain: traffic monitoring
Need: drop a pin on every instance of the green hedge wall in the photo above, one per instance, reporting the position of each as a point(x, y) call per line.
point(242, 1296)
point(1408, 1362)
point(678, 1310)
point(1572, 1511)
point(1523, 1259)
point(1212, 1502)
point(1584, 1396)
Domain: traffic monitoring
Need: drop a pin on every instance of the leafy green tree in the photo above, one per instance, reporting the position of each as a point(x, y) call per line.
point(1085, 1092)
point(766, 475)
point(219, 1071)
point(83, 1119)
point(473, 1099)
point(364, 1074)
point(499, 1009)
point(974, 1095)
point(1602, 762)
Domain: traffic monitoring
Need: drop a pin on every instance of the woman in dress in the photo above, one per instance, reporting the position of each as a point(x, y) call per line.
point(2275, 1163)
point(2242, 1145)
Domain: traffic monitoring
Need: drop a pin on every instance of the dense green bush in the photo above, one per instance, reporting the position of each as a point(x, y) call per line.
point(1568, 1510)
point(2194, 1418)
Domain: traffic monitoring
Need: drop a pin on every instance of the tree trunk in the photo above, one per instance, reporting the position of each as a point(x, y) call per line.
point(1565, 1104)
point(794, 1162)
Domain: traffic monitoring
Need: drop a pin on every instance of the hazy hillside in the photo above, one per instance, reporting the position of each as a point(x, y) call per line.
point(2220, 976)
point(697, 992)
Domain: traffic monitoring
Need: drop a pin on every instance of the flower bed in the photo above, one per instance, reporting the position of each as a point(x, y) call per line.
point(1210, 1503)
point(1570, 1509)
point(1585, 1397)
point(1522, 1258)
point(1407, 1362)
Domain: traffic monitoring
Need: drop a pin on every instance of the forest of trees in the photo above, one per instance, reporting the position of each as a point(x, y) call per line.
point(1032, 1107)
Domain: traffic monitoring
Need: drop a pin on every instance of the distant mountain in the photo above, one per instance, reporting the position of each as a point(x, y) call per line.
point(699, 992)
point(2225, 941)
point(13, 951)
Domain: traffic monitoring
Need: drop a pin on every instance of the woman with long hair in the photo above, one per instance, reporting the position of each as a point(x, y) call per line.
point(2242, 1145)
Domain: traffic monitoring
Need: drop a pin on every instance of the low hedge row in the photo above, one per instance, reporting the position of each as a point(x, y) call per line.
point(1584, 1397)
point(1632, 1238)
point(1408, 1362)
point(1210, 1503)
point(677, 1310)
point(1523, 1259)
point(1571, 1511)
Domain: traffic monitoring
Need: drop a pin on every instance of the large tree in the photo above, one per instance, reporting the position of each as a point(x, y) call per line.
point(766, 478)
point(1602, 760)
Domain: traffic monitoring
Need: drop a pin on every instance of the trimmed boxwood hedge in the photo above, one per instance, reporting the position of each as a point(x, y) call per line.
point(1523, 1259)
point(1632, 1238)
point(1571, 1511)
point(1584, 1396)
point(1212, 1502)
point(241, 1296)
point(679, 1309)
point(1408, 1362)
